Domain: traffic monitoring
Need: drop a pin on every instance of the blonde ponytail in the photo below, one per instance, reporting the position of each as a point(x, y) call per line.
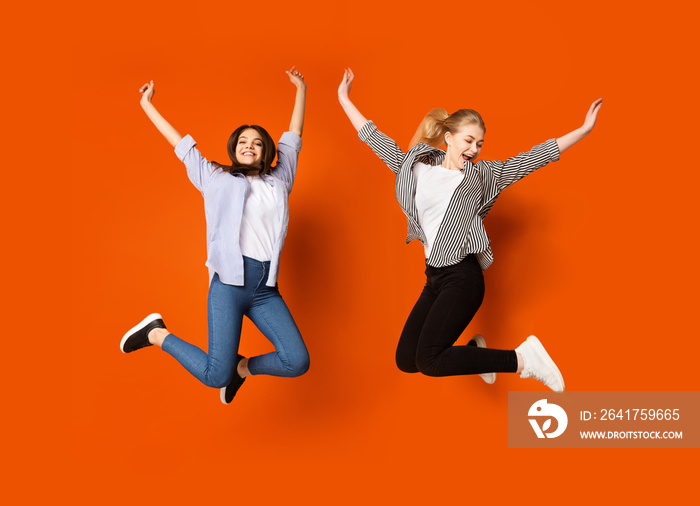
point(437, 122)
point(432, 129)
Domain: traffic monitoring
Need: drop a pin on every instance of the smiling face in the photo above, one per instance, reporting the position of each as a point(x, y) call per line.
point(464, 145)
point(249, 147)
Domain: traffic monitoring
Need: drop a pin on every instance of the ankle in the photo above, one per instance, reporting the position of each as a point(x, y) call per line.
point(157, 336)
point(521, 362)
point(242, 368)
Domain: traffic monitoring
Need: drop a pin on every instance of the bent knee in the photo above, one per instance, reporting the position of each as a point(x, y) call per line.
point(218, 378)
point(426, 366)
point(218, 382)
point(299, 366)
point(408, 366)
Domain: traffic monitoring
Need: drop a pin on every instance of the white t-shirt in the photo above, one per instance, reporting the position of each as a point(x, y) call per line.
point(260, 226)
point(434, 188)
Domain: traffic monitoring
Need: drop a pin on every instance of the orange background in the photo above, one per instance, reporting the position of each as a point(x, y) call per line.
point(595, 254)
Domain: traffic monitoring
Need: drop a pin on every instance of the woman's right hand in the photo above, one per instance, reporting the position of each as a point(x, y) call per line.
point(147, 92)
point(355, 116)
point(165, 128)
point(345, 85)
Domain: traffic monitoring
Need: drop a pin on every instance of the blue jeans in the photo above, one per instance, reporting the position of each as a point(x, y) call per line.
point(226, 306)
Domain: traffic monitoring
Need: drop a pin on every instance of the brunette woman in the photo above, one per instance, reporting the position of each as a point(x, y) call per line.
point(246, 208)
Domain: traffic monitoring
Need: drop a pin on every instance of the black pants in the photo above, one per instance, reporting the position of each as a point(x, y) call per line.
point(449, 301)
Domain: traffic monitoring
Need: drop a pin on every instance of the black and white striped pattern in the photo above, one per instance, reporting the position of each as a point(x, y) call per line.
point(462, 230)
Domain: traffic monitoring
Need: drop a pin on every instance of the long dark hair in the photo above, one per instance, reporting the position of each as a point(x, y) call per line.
point(269, 151)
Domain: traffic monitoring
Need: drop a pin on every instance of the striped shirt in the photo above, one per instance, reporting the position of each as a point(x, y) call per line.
point(224, 200)
point(461, 231)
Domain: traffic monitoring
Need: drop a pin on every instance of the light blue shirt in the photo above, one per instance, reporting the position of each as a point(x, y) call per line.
point(224, 200)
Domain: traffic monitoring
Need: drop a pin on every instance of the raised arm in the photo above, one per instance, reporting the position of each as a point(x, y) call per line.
point(568, 140)
point(170, 134)
point(297, 123)
point(355, 116)
point(382, 145)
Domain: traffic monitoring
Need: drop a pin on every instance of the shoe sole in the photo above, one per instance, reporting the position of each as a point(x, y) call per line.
point(539, 350)
point(488, 377)
point(144, 322)
point(222, 395)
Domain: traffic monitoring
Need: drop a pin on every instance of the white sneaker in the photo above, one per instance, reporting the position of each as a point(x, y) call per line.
point(488, 377)
point(537, 364)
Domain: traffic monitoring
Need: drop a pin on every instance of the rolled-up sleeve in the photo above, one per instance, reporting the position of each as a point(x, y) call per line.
point(382, 145)
point(517, 167)
point(199, 169)
point(288, 149)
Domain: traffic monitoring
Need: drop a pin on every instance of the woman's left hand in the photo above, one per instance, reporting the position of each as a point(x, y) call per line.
point(296, 77)
point(147, 91)
point(592, 115)
point(566, 141)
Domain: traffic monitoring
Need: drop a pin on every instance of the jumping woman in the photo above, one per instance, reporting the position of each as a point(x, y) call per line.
point(446, 196)
point(246, 208)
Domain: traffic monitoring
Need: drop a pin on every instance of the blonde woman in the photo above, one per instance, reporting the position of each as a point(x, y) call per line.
point(445, 195)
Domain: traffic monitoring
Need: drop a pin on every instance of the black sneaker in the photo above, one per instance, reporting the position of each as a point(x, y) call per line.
point(229, 391)
point(137, 337)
